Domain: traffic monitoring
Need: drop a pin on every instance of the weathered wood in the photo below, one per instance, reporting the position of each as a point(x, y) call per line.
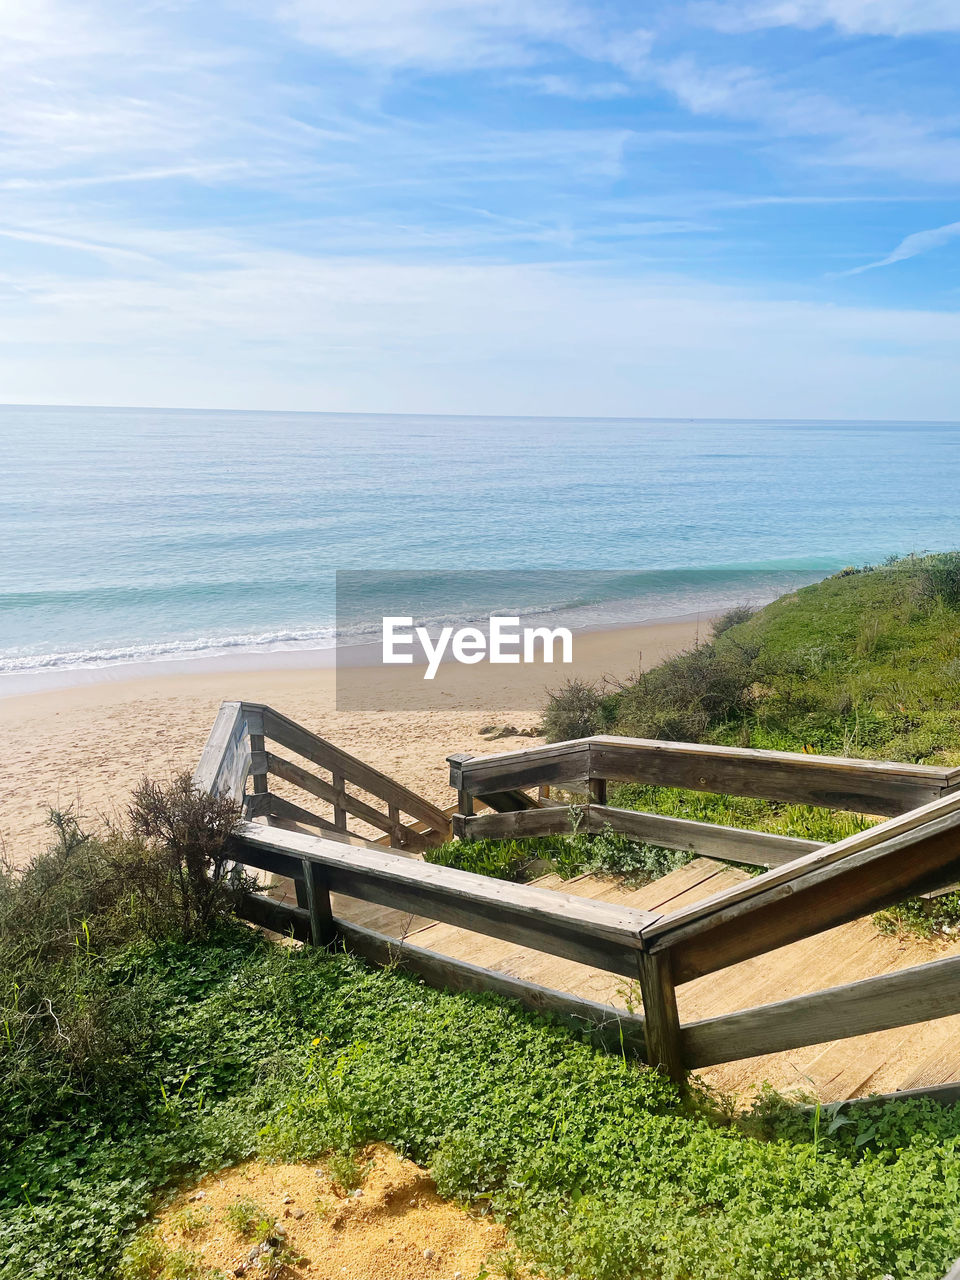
point(340, 799)
point(899, 999)
point(730, 844)
point(869, 786)
point(322, 929)
point(591, 932)
point(518, 823)
point(293, 736)
point(560, 762)
point(340, 808)
point(661, 1019)
point(866, 786)
point(224, 762)
point(817, 859)
point(807, 897)
point(258, 764)
point(281, 917)
point(277, 807)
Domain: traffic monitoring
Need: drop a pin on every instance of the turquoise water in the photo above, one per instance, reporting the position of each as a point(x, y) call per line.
point(130, 535)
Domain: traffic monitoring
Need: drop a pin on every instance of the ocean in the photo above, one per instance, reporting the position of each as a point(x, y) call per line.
point(137, 535)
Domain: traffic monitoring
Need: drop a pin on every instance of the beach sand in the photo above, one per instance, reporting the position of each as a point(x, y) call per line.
point(86, 746)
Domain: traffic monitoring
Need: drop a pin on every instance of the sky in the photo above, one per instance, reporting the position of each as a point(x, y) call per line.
point(713, 208)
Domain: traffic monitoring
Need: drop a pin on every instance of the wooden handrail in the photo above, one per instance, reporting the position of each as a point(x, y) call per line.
point(809, 888)
point(865, 786)
point(236, 750)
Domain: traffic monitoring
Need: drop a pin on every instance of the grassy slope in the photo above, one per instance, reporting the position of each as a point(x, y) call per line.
point(863, 664)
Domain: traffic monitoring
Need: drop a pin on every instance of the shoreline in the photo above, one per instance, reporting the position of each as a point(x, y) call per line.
point(86, 745)
point(326, 658)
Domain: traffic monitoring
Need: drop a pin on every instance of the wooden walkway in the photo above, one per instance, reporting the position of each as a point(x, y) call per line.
point(905, 1058)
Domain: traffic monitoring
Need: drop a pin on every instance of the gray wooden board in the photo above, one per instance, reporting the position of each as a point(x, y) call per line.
point(907, 996)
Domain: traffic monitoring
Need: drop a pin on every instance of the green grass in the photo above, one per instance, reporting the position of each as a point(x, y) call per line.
point(598, 1167)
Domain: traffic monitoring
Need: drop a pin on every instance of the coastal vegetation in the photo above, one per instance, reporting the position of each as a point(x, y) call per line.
point(147, 1036)
point(145, 1043)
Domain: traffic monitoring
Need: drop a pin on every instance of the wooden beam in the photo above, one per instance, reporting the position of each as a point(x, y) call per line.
point(322, 931)
point(810, 895)
point(899, 999)
point(661, 1019)
point(560, 762)
point(591, 932)
point(729, 844)
point(866, 786)
point(222, 769)
point(289, 734)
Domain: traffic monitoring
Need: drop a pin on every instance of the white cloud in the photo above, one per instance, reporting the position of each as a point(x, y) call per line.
point(280, 330)
point(912, 245)
point(435, 34)
point(855, 17)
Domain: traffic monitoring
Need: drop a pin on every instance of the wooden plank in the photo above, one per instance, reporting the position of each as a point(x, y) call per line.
point(870, 786)
point(214, 771)
point(277, 807)
point(293, 736)
point(825, 896)
point(281, 917)
point(898, 999)
point(566, 762)
point(520, 823)
point(594, 933)
point(816, 860)
point(866, 786)
point(337, 796)
point(729, 844)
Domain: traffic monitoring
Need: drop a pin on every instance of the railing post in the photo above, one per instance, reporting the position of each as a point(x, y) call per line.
point(460, 825)
point(317, 895)
point(661, 1019)
point(339, 813)
point(598, 790)
point(258, 755)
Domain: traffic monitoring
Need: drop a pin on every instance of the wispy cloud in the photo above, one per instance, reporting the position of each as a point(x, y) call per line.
point(864, 17)
point(912, 246)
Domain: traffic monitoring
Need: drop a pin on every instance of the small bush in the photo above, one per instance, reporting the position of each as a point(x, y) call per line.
point(732, 618)
point(687, 695)
point(575, 710)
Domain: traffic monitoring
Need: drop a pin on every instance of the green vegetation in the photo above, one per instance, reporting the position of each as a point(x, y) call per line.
point(866, 663)
point(608, 853)
point(135, 1058)
point(147, 1037)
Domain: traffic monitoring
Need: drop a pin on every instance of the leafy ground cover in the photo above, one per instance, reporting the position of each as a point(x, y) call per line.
point(132, 1061)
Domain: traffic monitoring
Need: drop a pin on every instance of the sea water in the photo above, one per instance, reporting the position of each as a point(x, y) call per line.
point(133, 535)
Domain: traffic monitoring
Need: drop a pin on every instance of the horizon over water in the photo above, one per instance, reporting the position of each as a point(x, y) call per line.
point(144, 535)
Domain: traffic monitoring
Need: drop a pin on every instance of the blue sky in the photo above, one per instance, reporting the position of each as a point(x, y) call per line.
point(719, 208)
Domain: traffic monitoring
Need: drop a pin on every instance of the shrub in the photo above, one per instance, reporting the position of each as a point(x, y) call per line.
point(575, 710)
point(732, 618)
point(185, 833)
point(684, 697)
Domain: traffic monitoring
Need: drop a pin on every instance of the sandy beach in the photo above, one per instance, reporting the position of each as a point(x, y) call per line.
point(86, 745)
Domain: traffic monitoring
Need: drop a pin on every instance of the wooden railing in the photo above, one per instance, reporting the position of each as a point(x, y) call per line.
point(826, 885)
point(236, 752)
